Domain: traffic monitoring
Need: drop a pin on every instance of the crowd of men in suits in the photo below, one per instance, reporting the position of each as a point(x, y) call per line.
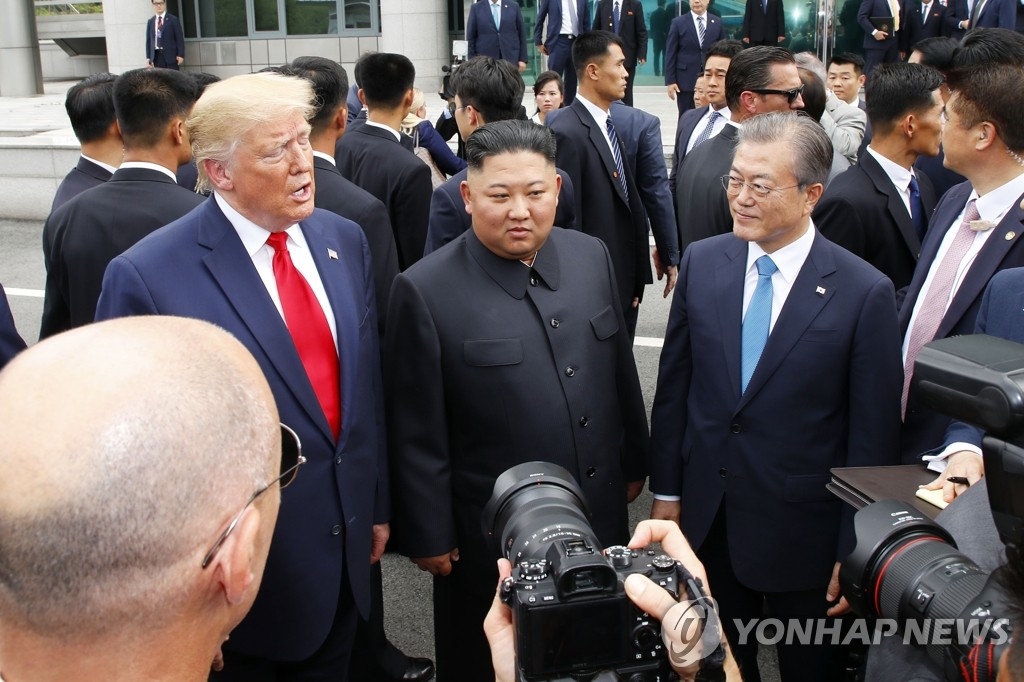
point(420, 341)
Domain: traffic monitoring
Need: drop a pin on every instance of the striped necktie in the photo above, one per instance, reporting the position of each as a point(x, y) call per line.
point(620, 173)
point(700, 30)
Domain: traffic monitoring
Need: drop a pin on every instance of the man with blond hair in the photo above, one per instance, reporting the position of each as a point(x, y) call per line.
point(138, 507)
point(295, 285)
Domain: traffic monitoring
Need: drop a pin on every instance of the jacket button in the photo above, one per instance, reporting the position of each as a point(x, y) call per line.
point(736, 428)
point(533, 281)
point(336, 530)
point(591, 472)
point(722, 472)
point(569, 371)
point(584, 421)
point(554, 323)
point(337, 460)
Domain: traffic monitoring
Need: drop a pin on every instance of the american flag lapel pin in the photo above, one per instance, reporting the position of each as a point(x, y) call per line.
point(332, 254)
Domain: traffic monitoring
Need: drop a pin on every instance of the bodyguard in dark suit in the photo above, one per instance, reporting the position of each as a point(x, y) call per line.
point(566, 19)
point(919, 21)
point(507, 345)
point(994, 14)
point(372, 155)
point(165, 41)
point(744, 431)
point(685, 51)
point(764, 22)
point(974, 232)
point(613, 210)
point(693, 126)
point(507, 41)
point(486, 90)
point(879, 46)
point(11, 342)
point(625, 18)
point(90, 107)
point(302, 303)
point(87, 232)
point(879, 209)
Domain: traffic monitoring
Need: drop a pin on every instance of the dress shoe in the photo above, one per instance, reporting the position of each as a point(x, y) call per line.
point(417, 670)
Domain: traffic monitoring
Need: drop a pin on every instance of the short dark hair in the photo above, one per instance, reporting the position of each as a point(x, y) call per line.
point(90, 106)
point(937, 52)
point(896, 89)
point(724, 48)
point(506, 137)
point(203, 80)
point(491, 86)
point(385, 77)
point(813, 94)
point(330, 87)
point(147, 100)
point(591, 46)
point(990, 92)
point(844, 58)
point(990, 46)
point(751, 69)
point(545, 78)
point(812, 150)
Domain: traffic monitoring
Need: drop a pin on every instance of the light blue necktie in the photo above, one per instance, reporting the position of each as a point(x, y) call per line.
point(496, 13)
point(758, 319)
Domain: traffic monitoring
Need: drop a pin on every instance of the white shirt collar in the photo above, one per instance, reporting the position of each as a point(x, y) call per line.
point(997, 203)
point(899, 175)
point(599, 114)
point(725, 112)
point(252, 235)
point(325, 157)
point(151, 166)
point(789, 259)
point(104, 166)
point(398, 135)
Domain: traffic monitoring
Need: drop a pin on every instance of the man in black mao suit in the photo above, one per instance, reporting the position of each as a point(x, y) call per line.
point(218, 264)
point(744, 431)
point(870, 208)
point(165, 41)
point(764, 22)
point(141, 197)
point(506, 346)
point(506, 41)
point(486, 90)
point(685, 51)
point(613, 210)
point(625, 18)
point(983, 138)
point(920, 20)
point(372, 155)
point(90, 107)
point(11, 342)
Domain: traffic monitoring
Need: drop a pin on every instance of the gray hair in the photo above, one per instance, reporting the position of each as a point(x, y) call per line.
point(811, 157)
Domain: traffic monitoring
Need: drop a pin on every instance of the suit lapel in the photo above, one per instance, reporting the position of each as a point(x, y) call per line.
point(986, 263)
point(729, 302)
point(230, 266)
point(600, 143)
point(897, 209)
point(810, 293)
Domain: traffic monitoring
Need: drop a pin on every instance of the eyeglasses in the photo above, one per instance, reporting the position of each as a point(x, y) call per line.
point(733, 187)
point(291, 460)
point(790, 95)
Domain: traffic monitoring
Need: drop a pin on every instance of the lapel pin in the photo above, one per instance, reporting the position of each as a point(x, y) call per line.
point(820, 291)
point(1010, 235)
point(332, 254)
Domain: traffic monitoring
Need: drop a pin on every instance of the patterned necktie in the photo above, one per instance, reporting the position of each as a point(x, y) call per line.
point(700, 30)
point(308, 326)
point(758, 319)
point(159, 31)
point(933, 308)
point(894, 7)
point(496, 13)
point(708, 129)
point(615, 17)
point(917, 208)
point(617, 153)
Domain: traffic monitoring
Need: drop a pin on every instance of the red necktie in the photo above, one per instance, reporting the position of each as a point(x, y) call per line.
point(159, 31)
point(309, 329)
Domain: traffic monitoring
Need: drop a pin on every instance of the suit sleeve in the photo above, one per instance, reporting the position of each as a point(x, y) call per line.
point(781, 18)
point(864, 17)
point(875, 389)
point(1007, 14)
point(669, 413)
point(11, 342)
point(641, 32)
point(652, 183)
point(149, 40)
point(416, 416)
point(377, 227)
point(745, 29)
point(568, 159)
point(445, 222)
point(672, 51)
point(538, 29)
point(471, 32)
point(839, 220)
point(124, 292)
point(440, 152)
point(56, 311)
point(565, 214)
point(596, 25)
point(521, 30)
point(845, 126)
point(179, 37)
point(412, 207)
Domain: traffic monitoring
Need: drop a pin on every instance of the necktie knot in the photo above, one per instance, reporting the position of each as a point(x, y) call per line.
point(766, 267)
point(278, 241)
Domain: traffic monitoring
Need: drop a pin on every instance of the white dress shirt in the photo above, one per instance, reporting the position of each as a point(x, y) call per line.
point(150, 166)
point(898, 176)
point(398, 135)
point(567, 12)
point(104, 166)
point(725, 115)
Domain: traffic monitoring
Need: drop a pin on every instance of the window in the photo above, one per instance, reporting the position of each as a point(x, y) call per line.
point(267, 18)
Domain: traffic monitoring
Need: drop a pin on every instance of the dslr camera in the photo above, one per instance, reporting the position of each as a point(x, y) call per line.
point(905, 567)
point(571, 614)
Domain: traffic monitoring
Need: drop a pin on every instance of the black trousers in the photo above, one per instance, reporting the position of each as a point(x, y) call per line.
point(373, 656)
point(461, 601)
point(164, 59)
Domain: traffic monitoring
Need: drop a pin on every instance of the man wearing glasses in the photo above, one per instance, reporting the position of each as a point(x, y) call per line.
point(295, 285)
point(165, 42)
point(144, 460)
point(781, 361)
point(760, 79)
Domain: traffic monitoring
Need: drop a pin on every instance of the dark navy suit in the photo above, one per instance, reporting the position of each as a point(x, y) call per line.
point(685, 54)
point(197, 267)
point(913, 31)
point(506, 42)
point(11, 342)
point(558, 45)
point(83, 176)
point(997, 14)
point(923, 428)
point(877, 51)
point(172, 42)
point(684, 130)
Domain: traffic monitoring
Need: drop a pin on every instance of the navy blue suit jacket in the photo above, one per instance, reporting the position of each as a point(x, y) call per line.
point(506, 42)
point(923, 428)
point(912, 31)
point(552, 10)
point(11, 342)
point(172, 39)
point(956, 11)
point(197, 267)
point(766, 453)
point(875, 8)
point(684, 55)
point(997, 14)
point(85, 175)
point(687, 123)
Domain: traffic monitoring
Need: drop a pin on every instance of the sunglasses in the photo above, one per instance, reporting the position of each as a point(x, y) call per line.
point(291, 460)
point(790, 95)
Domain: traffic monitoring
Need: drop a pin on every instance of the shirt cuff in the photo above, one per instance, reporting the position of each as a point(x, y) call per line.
point(667, 498)
point(937, 462)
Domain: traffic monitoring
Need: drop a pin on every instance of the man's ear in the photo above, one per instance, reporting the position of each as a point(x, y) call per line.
point(234, 565)
point(361, 96)
point(114, 130)
point(219, 175)
point(341, 119)
point(178, 131)
point(464, 190)
point(747, 101)
point(986, 135)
